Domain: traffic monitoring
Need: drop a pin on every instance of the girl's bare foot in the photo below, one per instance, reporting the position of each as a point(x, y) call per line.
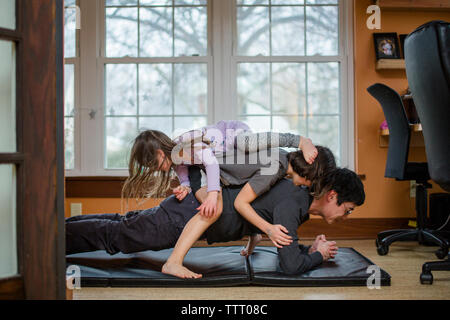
point(252, 242)
point(309, 149)
point(179, 271)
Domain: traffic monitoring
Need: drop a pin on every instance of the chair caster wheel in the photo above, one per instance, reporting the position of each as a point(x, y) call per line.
point(441, 253)
point(382, 249)
point(426, 278)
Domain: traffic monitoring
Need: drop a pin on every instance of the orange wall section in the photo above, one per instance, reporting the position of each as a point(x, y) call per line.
point(106, 205)
point(385, 198)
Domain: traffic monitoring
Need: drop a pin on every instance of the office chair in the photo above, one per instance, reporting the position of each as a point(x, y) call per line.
point(398, 167)
point(427, 58)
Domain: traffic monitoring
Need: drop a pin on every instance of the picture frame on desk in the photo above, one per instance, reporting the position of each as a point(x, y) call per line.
point(386, 45)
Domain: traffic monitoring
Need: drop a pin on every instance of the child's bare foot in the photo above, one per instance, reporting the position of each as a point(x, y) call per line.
point(309, 149)
point(179, 271)
point(252, 242)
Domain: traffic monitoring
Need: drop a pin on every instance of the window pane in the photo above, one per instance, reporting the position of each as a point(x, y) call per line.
point(190, 2)
point(288, 86)
point(252, 2)
point(8, 14)
point(121, 2)
point(120, 133)
point(322, 1)
point(69, 90)
point(323, 88)
point(163, 124)
point(253, 88)
point(253, 31)
point(288, 29)
point(279, 2)
point(155, 89)
point(322, 28)
point(8, 224)
point(156, 32)
point(69, 142)
point(155, 2)
point(191, 89)
point(295, 124)
point(7, 97)
point(190, 31)
point(257, 124)
point(121, 91)
point(325, 131)
point(183, 124)
point(70, 23)
point(121, 32)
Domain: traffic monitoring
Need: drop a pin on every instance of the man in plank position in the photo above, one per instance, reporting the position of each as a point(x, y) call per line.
point(284, 204)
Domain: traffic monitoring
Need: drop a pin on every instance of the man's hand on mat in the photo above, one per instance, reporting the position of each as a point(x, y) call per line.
point(181, 192)
point(279, 235)
point(316, 243)
point(209, 207)
point(309, 149)
point(327, 249)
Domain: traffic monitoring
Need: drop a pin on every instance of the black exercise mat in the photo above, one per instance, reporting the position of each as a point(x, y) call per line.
point(220, 266)
point(348, 268)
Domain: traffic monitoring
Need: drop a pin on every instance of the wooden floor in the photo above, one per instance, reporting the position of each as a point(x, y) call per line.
point(403, 262)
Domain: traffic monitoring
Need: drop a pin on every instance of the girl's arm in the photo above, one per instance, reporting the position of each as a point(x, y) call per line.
point(208, 159)
point(183, 189)
point(182, 172)
point(277, 233)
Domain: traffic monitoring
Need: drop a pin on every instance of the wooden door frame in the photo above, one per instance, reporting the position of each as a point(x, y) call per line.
point(40, 157)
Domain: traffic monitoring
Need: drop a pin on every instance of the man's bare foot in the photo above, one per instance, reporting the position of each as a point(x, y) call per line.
point(252, 242)
point(179, 271)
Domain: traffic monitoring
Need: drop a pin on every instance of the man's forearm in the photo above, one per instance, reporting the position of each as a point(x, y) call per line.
point(247, 211)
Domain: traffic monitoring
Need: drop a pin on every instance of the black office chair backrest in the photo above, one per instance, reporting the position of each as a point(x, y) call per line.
point(427, 57)
point(399, 132)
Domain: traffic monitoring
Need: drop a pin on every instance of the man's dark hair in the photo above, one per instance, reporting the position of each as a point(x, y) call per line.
point(347, 185)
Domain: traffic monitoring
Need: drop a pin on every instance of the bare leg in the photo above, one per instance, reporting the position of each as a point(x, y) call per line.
point(253, 241)
point(191, 233)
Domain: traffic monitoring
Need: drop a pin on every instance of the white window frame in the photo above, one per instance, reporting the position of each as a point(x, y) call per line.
point(76, 62)
point(222, 79)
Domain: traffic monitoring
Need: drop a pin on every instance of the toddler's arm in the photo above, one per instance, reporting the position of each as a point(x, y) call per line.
point(209, 206)
point(182, 172)
point(183, 176)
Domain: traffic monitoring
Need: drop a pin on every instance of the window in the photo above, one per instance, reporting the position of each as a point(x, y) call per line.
point(291, 81)
point(174, 65)
point(10, 154)
point(156, 71)
point(70, 75)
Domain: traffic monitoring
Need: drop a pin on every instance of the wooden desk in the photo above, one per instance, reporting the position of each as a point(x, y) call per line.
point(416, 136)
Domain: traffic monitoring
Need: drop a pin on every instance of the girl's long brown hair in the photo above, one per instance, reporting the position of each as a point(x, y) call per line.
point(145, 179)
point(315, 172)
